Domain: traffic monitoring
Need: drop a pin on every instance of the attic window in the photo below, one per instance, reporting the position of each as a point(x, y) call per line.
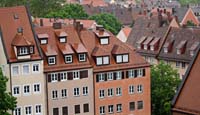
point(62, 35)
point(62, 39)
point(193, 48)
point(165, 50)
point(52, 60)
point(104, 41)
point(154, 44)
point(23, 51)
point(139, 43)
point(104, 60)
point(124, 58)
point(43, 38)
point(181, 47)
point(82, 57)
point(147, 42)
point(15, 16)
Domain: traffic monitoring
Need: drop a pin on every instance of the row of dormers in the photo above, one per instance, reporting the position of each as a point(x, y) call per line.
point(148, 43)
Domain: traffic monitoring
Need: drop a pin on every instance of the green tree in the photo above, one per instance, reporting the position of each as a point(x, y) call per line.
point(38, 8)
point(186, 2)
point(164, 83)
point(190, 23)
point(74, 11)
point(109, 21)
point(7, 101)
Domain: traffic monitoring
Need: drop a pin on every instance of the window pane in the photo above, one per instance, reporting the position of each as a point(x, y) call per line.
point(119, 58)
point(99, 60)
point(125, 58)
point(77, 109)
point(86, 107)
point(105, 60)
point(104, 40)
point(25, 69)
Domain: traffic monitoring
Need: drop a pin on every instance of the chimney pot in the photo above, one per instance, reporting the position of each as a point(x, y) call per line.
point(41, 22)
point(20, 30)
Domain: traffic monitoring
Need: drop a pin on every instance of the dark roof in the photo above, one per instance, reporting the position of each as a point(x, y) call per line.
point(180, 12)
point(124, 15)
point(11, 19)
point(147, 27)
point(190, 35)
point(186, 99)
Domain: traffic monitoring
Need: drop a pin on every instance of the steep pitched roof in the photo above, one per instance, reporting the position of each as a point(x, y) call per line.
point(186, 99)
point(126, 30)
point(189, 16)
point(11, 19)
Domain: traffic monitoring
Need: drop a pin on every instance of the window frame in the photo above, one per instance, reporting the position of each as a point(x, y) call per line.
point(131, 89)
point(31, 110)
point(50, 59)
point(76, 92)
point(23, 71)
point(140, 88)
point(25, 94)
point(84, 57)
point(33, 66)
point(20, 108)
point(39, 110)
point(102, 110)
point(86, 91)
point(70, 56)
point(64, 93)
point(119, 91)
point(110, 109)
point(101, 93)
point(14, 86)
point(37, 92)
point(110, 92)
point(54, 94)
point(18, 70)
point(119, 108)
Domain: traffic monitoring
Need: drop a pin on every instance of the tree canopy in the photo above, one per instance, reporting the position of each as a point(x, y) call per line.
point(74, 11)
point(109, 21)
point(186, 2)
point(7, 101)
point(164, 83)
point(38, 8)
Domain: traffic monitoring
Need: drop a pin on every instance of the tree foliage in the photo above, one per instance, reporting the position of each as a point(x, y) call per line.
point(7, 101)
point(186, 2)
point(74, 11)
point(164, 82)
point(109, 21)
point(38, 8)
point(190, 23)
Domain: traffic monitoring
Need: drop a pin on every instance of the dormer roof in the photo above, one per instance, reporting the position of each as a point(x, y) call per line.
point(20, 40)
point(60, 33)
point(79, 48)
point(98, 51)
point(119, 50)
point(49, 50)
point(40, 36)
point(66, 49)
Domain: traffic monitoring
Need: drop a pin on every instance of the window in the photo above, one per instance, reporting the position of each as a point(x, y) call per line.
point(110, 108)
point(139, 88)
point(118, 75)
point(102, 110)
point(28, 110)
point(122, 58)
point(17, 111)
point(68, 59)
point(118, 91)
point(140, 105)
point(178, 64)
point(183, 65)
point(62, 39)
point(85, 90)
point(23, 51)
point(52, 60)
point(77, 109)
point(38, 109)
point(65, 110)
point(36, 88)
point(101, 93)
point(165, 50)
point(131, 73)
point(125, 58)
point(119, 108)
point(36, 68)
point(44, 41)
point(110, 76)
point(54, 94)
point(55, 111)
point(64, 93)
point(103, 41)
point(82, 57)
point(119, 58)
point(102, 60)
point(27, 89)
point(132, 106)
point(15, 70)
point(76, 75)
point(178, 51)
point(25, 69)
point(54, 77)
point(140, 72)
point(76, 92)
point(101, 77)
point(110, 92)
point(16, 90)
point(63, 76)
point(31, 49)
point(131, 89)
point(85, 107)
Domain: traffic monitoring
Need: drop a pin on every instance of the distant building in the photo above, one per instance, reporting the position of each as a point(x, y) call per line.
point(21, 61)
point(124, 33)
point(186, 100)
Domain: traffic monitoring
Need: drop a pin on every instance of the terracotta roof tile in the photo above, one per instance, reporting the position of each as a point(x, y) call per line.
point(42, 36)
point(49, 50)
point(66, 49)
point(9, 26)
point(126, 30)
point(118, 50)
point(60, 33)
point(98, 51)
point(79, 48)
point(20, 40)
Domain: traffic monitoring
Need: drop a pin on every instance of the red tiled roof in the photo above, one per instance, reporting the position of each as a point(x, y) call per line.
point(42, 36)
point(9, 26)
point(127, 31)
point(66, 49)
point(79, 48)
point(60, 33)
point(20, 40)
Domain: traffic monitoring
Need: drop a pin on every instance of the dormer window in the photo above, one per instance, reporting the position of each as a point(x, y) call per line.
point(23, 51)
point(51, 60)
point(104, 41)
point(62, 35)
point(43, 38)
point(62, 39)
point(180, 49)
point(104, 60)
point(122, 58)
point(82, 57)
point(154, 44)
point(139, 43)
point(147, 42)
point(68, 59)
point(193, 48)
point(165, 50)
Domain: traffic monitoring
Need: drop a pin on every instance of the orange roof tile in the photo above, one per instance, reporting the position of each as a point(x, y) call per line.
point(20, 40)
point(118, 50)
point(66, 49)
point(79, 48)
point(9, 26)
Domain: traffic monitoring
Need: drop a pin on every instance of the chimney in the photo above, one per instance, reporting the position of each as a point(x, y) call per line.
point(41, 22)
point(158, 10)
point(57, 25)
point(101, 31)
point(98, 27)
point(165, 11)
point(20, 31)
point(160, 19)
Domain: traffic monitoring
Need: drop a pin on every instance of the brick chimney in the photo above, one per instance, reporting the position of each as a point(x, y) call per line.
point(41, 22)
point(160, 19)
point(57, 25)
point(101, 31)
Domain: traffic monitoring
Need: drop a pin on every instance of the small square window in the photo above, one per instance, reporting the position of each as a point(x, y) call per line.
point(119, 108)
point(36, 88)
point(44, 41)
point(68, 59)
point(54, 94)
point(82, 57)
point(27, 89)
point(16, 90)
point(105, 60)
point(52, 60)
point(104, 41)
point(99, 60)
